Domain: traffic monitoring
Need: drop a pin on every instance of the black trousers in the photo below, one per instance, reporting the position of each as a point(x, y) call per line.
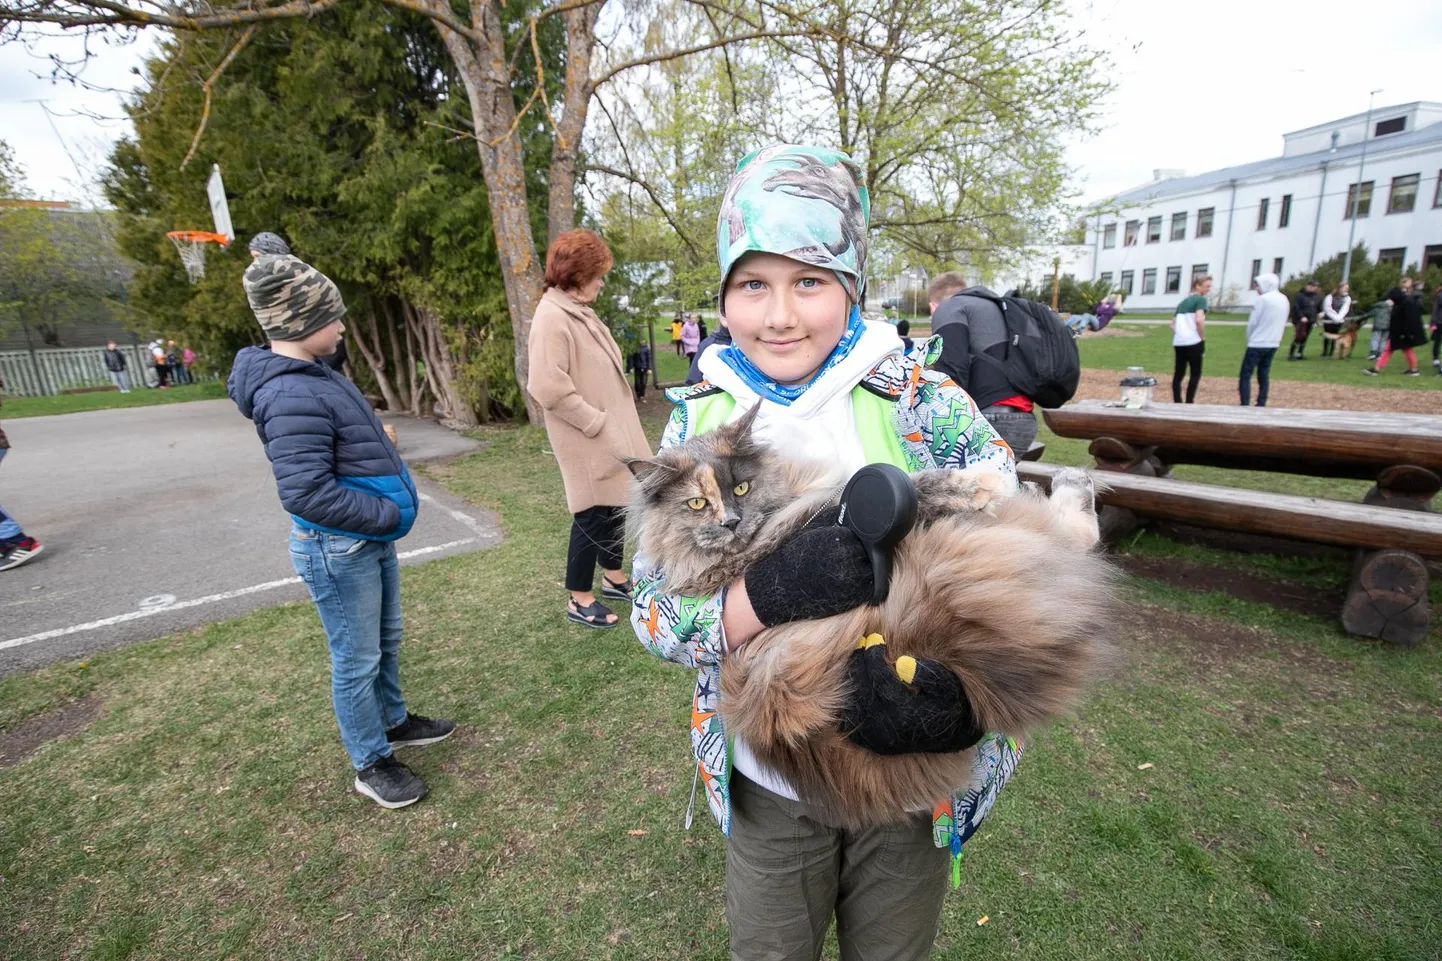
point(596, 535)
point(638, 383)
point(1187, 357)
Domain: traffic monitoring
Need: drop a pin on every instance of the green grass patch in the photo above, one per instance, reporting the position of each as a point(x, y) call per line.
point(1225, 347)
point(14, 407)
point(1290, 810)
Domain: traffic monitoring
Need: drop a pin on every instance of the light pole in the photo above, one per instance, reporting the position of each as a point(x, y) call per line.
point(1357, 194)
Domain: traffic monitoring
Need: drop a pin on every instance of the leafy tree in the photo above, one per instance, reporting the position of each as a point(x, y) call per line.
point(1369, 280)
point(1013, 69)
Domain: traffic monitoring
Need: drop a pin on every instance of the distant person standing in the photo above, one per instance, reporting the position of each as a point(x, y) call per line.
point(161, 365)
point(15, 547)
point(1189, 339)
point(720, 336)
point(639, 365)
point(115, 366)
point(1407, 332)
point(1381, 317)
point(676, 326)
point(690, 337)
point(903, 330)
point(1305, 307)
point(701, 326)
point(173, 364)
point(1334, 315)
point(187, 360)
point(1264, 336)
point(1437, 330)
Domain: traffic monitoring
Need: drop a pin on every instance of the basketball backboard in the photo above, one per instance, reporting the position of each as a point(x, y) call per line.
point(219, 208)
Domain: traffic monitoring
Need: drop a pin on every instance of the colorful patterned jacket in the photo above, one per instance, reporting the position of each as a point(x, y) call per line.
point(937, 425)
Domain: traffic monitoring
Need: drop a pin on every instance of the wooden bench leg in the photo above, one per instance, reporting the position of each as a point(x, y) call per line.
point(1387, 598)
point(1117, 456)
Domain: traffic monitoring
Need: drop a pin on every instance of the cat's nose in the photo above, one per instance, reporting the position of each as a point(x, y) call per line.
point(731, 521)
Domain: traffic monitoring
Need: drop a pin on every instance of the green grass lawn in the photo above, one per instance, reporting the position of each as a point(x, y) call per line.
point(1290, 810)
point(1225, 347)
point(14, 407)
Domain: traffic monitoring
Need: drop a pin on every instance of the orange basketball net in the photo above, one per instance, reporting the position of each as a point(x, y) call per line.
point(190, 245)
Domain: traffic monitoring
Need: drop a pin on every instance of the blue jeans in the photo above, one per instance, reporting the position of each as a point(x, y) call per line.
point(1260, 360)
point(9, 529)
point(356, 587)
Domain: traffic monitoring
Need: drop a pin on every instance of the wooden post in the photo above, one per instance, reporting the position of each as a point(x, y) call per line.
point(1387, 597)
point(1119, 457)
point(1055, 281)
point(651, 333)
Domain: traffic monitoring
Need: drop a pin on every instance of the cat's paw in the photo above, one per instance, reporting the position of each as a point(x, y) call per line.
point(943, 492)
point(1073, 498)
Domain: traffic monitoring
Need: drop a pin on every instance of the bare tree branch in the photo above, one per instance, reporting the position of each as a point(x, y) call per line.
point(208, 85)
point(700, 48)
point(650, 192)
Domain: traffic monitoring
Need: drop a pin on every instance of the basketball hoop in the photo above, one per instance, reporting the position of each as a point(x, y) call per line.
point(190, 244)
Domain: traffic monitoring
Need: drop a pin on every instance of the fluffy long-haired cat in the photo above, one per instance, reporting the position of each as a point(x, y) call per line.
point(1007, 590)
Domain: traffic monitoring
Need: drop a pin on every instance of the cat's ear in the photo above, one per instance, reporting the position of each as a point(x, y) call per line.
point(745, 444)
point(651, 474)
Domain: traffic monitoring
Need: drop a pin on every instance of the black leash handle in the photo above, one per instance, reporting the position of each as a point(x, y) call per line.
point(879, 505)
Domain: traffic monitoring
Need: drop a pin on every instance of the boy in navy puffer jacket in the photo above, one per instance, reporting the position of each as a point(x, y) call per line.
point(351, 499)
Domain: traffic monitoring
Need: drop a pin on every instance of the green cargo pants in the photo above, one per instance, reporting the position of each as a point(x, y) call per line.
point(786, 873)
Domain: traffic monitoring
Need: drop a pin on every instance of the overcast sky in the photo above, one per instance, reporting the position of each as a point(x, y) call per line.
point(1198, 87)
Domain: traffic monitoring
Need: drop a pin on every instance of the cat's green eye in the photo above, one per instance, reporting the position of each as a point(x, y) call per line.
point(696, 503)
point(740, 489)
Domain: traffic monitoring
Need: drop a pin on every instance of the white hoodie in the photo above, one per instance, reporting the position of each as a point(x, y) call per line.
point(1269, 314)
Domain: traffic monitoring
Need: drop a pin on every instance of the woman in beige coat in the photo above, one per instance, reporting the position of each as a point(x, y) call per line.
point(578, 377)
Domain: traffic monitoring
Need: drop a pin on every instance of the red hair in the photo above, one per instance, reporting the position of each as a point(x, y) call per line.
point(576, 258)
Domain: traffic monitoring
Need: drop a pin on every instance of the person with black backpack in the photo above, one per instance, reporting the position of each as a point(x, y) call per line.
point(1009, 354)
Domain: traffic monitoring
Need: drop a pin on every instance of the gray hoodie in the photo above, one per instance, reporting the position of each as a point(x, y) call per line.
point(1269, 314)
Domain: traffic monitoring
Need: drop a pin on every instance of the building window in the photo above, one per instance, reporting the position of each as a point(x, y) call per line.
point(1106, 279)
point(1154, 230)
point(1149, 281)
point(1126, 284)
point(1262, 213)
point(1179, 226)
point(1204, 221)
point(1174, 280)
point(1256, 271)
point(1384, 127)
point(1392, 255)
point(1109, 236)
point(1277, 269)
point(1437, 191)
point(1362, 198)
point(1134, 227)
point(1431, 257)
point(1198, 272)
point(1404, 194)
point(1284, 216)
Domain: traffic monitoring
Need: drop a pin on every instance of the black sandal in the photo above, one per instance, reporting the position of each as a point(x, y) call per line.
point(616, 592)
point(592, 615)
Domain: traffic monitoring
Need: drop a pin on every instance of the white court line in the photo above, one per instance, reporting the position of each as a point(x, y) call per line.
point(197, 601)
point(466, 519)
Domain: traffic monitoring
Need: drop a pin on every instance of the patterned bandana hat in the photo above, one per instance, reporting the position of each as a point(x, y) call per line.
point(291, 299)
point(806, 203)
point(266, 242)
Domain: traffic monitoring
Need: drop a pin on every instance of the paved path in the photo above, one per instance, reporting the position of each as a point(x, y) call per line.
point(156, 519)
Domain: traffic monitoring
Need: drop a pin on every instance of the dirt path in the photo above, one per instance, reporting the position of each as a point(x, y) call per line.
point(1103, 384)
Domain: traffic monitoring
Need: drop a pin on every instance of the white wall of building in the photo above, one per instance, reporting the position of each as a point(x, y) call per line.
point(1317, 229)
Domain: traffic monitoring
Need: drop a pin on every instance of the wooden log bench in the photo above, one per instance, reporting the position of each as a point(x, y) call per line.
point(1400, 453)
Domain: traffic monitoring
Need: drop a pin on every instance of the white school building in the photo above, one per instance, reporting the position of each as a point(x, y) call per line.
point(1281, 215)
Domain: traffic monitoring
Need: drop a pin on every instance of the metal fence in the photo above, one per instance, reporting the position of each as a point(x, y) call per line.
point(54, 370)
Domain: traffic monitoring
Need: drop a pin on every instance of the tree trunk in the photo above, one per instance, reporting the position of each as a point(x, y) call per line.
point(484, 71)
point(375, 357)
point(561, 204)
point(405, 370)
point(440, 372)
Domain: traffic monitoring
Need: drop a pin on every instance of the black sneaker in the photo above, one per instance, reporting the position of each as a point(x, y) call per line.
point(418, 731)
point(17, 552)
point(390, 784)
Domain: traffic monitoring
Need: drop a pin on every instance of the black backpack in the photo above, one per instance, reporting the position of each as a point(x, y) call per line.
point(1039, 356)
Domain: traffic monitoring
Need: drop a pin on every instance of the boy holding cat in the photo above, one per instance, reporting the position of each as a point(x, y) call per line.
point(792, 242)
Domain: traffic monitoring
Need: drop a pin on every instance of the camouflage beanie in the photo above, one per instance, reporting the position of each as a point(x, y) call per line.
point(806, 203)
point(291, 299)
point(266, 242)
